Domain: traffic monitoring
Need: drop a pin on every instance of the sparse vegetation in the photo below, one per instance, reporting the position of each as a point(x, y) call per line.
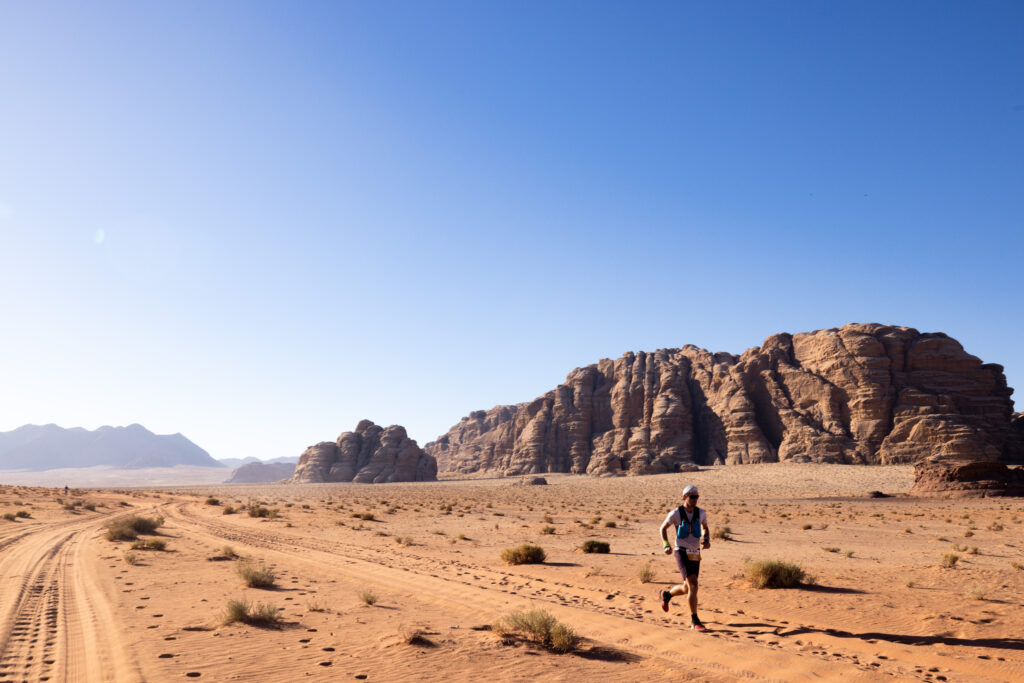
point(722, 532)
point(131, 558)
point(829, 549)
point(229, 510)
point(548, 530)
point(645, 573)
point(365, 516)
point(975, 592)
point(149, 544)
point(592, 546)
point(524, 554)
point(258, 615)
point(413, 636)
point(773, 574)
point(609, 524)
point(950, 559)
point(539, 627)
point(368, 597)
point(212, 501)
point(255, 576)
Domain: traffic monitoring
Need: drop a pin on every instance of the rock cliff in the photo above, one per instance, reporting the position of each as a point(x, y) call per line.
point(369, 455)
point(863, 393)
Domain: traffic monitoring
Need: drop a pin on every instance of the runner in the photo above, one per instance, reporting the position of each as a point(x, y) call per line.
point(691, 524)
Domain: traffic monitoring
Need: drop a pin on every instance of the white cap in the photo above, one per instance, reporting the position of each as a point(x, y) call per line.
point(690, 489)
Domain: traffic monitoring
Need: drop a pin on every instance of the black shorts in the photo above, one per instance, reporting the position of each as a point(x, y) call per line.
point(687, 567)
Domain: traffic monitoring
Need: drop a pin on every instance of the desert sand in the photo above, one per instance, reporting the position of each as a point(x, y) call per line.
point(881, 606)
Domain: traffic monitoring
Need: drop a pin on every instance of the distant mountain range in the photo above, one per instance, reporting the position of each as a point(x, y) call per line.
point(239, 462)
point(47, 447)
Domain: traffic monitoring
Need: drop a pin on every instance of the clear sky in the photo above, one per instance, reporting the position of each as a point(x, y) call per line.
point(256, 223)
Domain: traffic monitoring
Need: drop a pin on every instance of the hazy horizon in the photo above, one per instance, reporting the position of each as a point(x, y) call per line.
point(256, 224)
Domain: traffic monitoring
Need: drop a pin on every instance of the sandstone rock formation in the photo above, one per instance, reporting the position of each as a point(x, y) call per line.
point(937, 476)
point(261, 473)
point(863, 393)
point(369, 455)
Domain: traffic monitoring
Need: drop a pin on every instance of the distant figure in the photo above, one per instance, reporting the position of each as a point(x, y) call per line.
point(691, 524)
point(65, 489)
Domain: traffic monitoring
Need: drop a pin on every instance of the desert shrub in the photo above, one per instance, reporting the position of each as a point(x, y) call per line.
point(131, 558)
point(368, 597)
point(254, 576)
point(228, 551)
point(773, 573)
point(524, 554)
point(722, 532)
point(404, 540)
point(1017, 565)
point(258, 511)
point(995, 526)
point(128, 528)
point(413, 636)
point(24, 514)
point(548, 530)
point(91, 507)
point(229, 510)
point(968, 533)
point(975, 592)
point(609, 524)
point(540, 627)
point(10, 516)
point(365, 516)
point(462, 537)
point(212, 501)
point(149, 544)
point(950, 560)
point(806, 527)
point(592, 546)
point(248, 613)
point(645, 573)
point(829, 549)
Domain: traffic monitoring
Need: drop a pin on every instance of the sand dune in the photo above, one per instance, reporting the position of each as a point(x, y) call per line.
point(882, 606)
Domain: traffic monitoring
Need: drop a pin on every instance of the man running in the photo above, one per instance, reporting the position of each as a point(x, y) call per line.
point(691, 524)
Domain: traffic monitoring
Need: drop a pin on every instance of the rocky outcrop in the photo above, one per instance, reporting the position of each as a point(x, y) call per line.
point(369, 455)
point(261, 473)
point(863, 393)
point(944, 477)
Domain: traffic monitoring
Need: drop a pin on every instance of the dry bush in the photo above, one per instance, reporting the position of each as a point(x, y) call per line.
point(228, 551)
point(10, 517)
point(212, 501)
point(131, 558)
point(548, 530)
point(365, 516)
point(645, 573)
point(995, 526)
point(807, 527)
point(975, 592)
point(257, 577)
point(129, 528)
point(413, 636)
point(524, 554)
point(242, 610)
point(609, 524)
point(950, 560)
point(722, 532)
point(773, 574)
point(540, 627)
point(828, 549)
point(149, 544)
point(368, 597)
point(592, 546)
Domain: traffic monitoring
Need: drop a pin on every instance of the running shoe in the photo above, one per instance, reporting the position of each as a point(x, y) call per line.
point(698, 627)
point(665, 597)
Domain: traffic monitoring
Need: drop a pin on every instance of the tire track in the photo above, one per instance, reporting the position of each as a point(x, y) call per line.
point(49, 592)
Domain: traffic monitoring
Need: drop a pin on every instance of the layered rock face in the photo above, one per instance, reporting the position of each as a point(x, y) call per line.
point(863, 393)
point(369, 455)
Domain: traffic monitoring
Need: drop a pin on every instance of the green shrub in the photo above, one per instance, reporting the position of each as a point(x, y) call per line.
point(541, 628)
point(773, 574)
point(254, 576)
point(524, 554)
point(592, 546)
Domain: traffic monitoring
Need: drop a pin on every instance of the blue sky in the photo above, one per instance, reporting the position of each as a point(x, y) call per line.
point(257, 223)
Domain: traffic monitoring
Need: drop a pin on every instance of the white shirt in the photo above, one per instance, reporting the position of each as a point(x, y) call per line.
point(690, 541)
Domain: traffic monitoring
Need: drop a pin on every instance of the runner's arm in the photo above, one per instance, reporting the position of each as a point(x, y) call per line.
point(706, 533)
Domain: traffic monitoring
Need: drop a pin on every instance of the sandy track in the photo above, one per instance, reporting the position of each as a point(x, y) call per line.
point(55, 620)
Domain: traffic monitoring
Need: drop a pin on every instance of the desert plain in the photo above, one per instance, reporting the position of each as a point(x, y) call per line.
point(397, 582)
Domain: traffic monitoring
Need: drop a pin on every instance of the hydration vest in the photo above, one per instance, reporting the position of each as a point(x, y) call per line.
point(686, 526)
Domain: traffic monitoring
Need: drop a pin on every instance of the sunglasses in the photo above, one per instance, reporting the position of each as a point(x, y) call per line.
point(694, 496)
